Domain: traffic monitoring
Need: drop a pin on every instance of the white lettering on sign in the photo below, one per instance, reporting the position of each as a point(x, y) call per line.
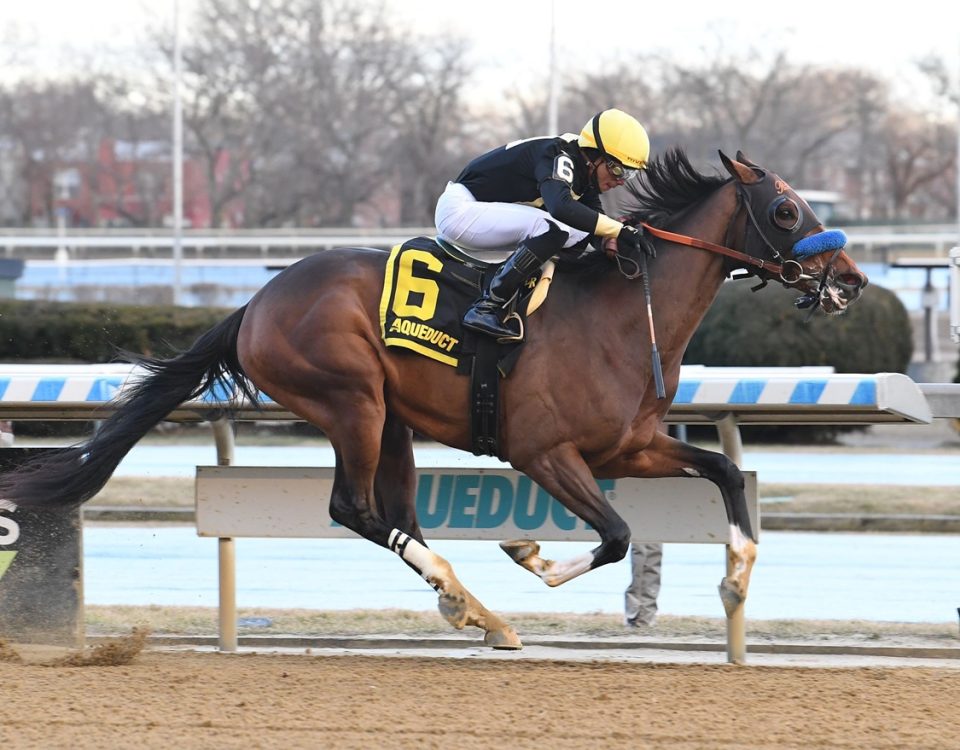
point(472, 501)
point(9, 531)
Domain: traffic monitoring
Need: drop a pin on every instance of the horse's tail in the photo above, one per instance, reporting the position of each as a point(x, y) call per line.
point(74, 475)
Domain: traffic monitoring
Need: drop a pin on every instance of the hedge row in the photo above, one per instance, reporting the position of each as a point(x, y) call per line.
point(33, 331)
point(764, 329)
point(747, 329)
point(741, 329)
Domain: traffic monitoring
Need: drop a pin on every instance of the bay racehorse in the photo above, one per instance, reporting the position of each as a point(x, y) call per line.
point(580, 404)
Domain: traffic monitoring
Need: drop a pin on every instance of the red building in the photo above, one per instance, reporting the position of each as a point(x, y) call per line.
point(131, 184)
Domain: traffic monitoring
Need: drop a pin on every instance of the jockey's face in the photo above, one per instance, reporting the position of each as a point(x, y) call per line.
point(605, 178)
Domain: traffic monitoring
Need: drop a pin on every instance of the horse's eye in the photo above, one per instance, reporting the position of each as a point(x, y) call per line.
point(785, 214)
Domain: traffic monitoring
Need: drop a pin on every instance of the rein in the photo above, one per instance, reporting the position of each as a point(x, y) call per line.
point(778, 269)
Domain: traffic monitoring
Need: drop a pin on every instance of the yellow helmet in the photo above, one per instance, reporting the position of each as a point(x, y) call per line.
point(616, 134)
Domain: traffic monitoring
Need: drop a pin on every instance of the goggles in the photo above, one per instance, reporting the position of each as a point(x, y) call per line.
point(619, 171)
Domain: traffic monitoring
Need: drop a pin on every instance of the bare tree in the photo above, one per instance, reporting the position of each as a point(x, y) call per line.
point(915, 151)
point(728, 96)
point(309, 112)
point(431, 142)
point(632, 85)
point(229, 65)
point(305, 108)
point(13, 194)
point(58, 129)
point(54, 126)
point(130, 181)
point(942, 191)
point(354, 71)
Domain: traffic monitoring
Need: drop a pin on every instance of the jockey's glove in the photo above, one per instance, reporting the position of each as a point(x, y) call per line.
point(633, 240)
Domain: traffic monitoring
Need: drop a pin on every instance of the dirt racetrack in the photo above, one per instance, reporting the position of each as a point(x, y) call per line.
point(208, 700)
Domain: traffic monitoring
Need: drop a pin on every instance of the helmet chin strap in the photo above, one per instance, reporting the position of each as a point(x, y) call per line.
point(592, 172)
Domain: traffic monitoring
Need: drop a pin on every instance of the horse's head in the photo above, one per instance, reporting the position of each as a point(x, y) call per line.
point(780, 227)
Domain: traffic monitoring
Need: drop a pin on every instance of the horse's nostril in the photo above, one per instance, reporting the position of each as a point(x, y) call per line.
point(851, 281)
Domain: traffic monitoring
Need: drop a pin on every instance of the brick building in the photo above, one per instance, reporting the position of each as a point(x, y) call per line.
point(130, 184)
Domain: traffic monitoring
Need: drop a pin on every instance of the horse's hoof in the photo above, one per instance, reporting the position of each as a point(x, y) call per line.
point(520, 549)
point(505, 639)
point(454, 609)
point(730, 597)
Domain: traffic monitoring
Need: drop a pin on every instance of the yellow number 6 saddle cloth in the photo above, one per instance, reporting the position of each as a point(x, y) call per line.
point(427, 287)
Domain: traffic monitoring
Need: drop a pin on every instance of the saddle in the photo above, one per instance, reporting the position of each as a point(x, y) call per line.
point(428, 285)
point(538, 286)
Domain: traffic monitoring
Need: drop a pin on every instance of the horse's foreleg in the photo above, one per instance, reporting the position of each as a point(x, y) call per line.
point(563, 473)
point(457, 605)
point(395, 490)
point(741, 555)
point(668, 457)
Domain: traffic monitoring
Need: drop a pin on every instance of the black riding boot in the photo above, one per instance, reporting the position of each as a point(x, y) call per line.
point(486, 315)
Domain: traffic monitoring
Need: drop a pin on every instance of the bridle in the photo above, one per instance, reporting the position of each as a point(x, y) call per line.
point(770, 261)
point(797, 237)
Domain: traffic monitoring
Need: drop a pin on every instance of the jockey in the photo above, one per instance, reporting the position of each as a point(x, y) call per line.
point(537, 196)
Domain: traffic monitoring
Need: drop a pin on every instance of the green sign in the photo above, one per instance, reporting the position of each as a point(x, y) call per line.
point(5, 559)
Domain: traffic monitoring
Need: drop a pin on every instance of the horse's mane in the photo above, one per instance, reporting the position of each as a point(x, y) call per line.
point(668, 186)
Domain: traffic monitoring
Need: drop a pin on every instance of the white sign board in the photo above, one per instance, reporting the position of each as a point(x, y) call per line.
point(258, 501)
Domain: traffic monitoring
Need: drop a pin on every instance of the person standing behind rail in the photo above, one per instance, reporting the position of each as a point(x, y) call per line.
point(640, 598)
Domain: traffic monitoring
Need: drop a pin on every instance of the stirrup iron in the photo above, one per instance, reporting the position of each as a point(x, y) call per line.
point(516, 337)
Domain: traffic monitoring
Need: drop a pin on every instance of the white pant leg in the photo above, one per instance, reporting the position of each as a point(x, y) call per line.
point(479, 225)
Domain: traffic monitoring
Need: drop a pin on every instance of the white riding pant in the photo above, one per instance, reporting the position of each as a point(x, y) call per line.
point(479, 225)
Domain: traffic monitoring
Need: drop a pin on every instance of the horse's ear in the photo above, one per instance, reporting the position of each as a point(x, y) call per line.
point(742, 157)
point(740, 172)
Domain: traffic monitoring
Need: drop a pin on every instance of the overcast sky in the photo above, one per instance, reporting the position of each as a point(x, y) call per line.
point(510, 38)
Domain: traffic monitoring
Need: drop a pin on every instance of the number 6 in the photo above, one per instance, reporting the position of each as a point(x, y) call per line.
point(408, 283)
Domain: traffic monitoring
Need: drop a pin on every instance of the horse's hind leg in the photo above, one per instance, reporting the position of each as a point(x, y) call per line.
point(374, 495)
point(395, 483)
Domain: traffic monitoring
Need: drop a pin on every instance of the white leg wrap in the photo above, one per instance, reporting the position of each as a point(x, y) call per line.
point(415, 554)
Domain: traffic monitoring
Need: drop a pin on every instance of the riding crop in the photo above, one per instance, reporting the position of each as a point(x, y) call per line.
point(654, 354)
